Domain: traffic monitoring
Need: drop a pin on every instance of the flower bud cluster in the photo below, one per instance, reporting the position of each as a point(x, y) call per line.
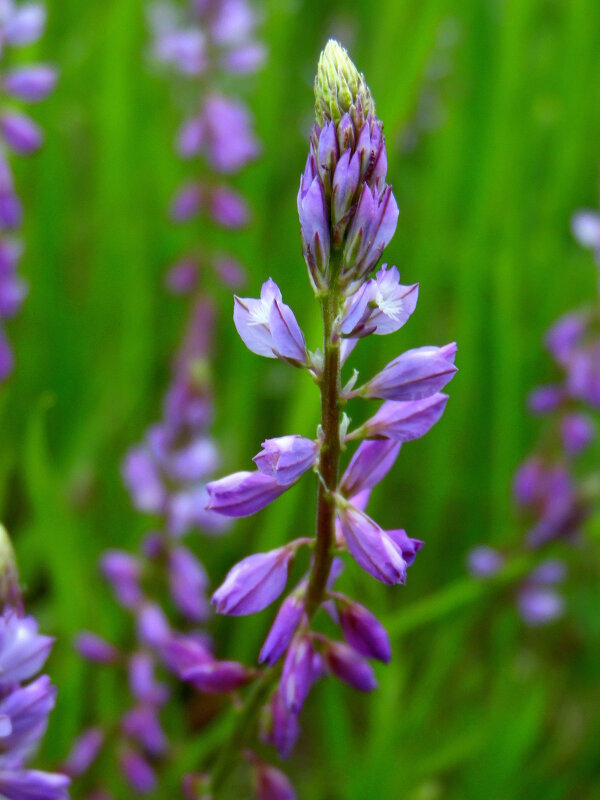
point(556, 488)
point(21, 24)
point(205, 44)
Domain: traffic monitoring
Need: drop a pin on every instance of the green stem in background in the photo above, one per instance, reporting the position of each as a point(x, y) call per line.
point(330, 455)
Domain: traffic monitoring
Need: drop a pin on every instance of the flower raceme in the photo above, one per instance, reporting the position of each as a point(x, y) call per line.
point(348, 215)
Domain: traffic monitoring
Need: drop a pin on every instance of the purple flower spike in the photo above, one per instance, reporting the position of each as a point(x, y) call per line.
point(30, 84)
point(254, 583)
point(272, 784)
point(20, 133)
point(94, 648)
point(217, 677)
point(577, 432)
point(369, 465)
point(243, 493)
point(30, 784)
point(370, 546)
point(283, 629)
point(414, 375)
point(298, 674)
point(23, 651)
point(349, 667)
point(84, 752)
point(485, 562)
point(403, 421)
point(362, 630)
point(268, 327)
point(138, 772)
point(286, 458)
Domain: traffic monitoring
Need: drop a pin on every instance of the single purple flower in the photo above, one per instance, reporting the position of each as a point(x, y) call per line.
point(314, 220)
point(281, 729)
point(254, 583)
point(403, 421)
point(362, 630)
point(286, 458)
point(228, 208)
point(23, 24)
point(565, 335)
point(381, 306)
point(297, 675)
point(20, 133)
point(137, 771)
point(182, 653)
point(414, 375)
point(95, 648)
point(153, 628)
point(142, 683)
point(243, 493)
point(345, 663)
point(283, 629)
point(30, 84)
point(268, 327)
point(188, 582)
point(370, 231)
point(272, 784)
point(539, 605)
point(545, 399)
point(370, 463)
point(23, 651)
point(484, 562)
point(230, 140)
point(370, 546)
point(577, 432)
point(123, 572)
point(187, 202)
point(84, 752)
point(217, 677)
point(143, 726)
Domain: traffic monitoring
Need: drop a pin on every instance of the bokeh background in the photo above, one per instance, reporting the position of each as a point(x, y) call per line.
point(492, 113)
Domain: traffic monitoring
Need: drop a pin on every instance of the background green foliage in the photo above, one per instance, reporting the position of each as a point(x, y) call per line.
point(474, 705)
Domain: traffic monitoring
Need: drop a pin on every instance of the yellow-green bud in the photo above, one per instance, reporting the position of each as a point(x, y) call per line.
point(340, 87)
point(10, 593)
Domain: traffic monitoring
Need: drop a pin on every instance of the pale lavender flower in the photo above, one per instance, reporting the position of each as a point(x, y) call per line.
point(254, 583)
point(84, 752)
point(243, 493)
point(577, 432)
point(404, 420)
point(286, 458)
point(484, 561)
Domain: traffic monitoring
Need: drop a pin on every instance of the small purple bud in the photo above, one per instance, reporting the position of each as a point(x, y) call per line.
point(244, 60)
point(143, 726)
point(20, 133)
point(345, 184)
point(23, 651)
point(191, 137)
point(583, 380)
point(182, 653)
point(142, 478)
point(370, 546)
point(230, 271)
point(142, 682)
point(286, 458)
point(538, 606)
point(254, 583)
point(414, 375)
point(327, 155)
point(528, 482)
point(370, 463)
point(30, 83)
point(548, 572)
point(565, 335)
point(94, 648)
point(182, 278)
point(545, 399)
point(349, 667)
point(403, 421)
point(187, 203)
point(243, 493)
point(297, 675)
point(152, 626)
point(363, 631)
point(188, 583)
point(484, 562)
point(30, 784)
point(280, 726)
point(283, 629)
point(371, 230)
point(272, 784)
point(586, 229)
point(314, 223)
point(228, 208)
point(25, 25)
point(138, 772)
point(84, 752)
point(577, 432)
point(123, 572)
point(217, 677)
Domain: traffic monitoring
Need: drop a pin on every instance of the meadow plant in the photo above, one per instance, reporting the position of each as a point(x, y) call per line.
point(163, 586)
point(25, 700)
point(348, 215)
point(556, 487)
point(20, 25)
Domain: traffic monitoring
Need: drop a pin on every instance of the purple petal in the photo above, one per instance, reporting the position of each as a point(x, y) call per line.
point(288, 339)
point(243, 493)
point(272, 784)
point(363, 631)
point(369, 465)
point(371, 547)
point(484, 562)
point(23, 651)
point(253, 583)
point(349, 667)
point(286, 458)
point(216, 677)
point(94, 648)
point(30, 83)
point(414, 375)
point(403, 421)
point(20, 133)
point(297, 675)
point(25, 24)
point(283, 629)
